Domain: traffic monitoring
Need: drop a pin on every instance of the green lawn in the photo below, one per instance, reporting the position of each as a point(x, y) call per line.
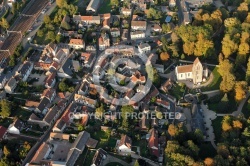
point(105, 141)
point(215, 84)
point(40, 40)
point(217, 127)
point(246, 109)
point(206, 150)
point(105, 7)
point(114, 164)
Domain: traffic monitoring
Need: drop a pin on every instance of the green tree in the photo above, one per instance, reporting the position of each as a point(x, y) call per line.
point(240, 90)
point(225, 67)
point(65, 25)
point(46, 19)
point(63, 87)
point(136, 163)
point(61, 3)
point(166, 28)
point(114, 2)
point(5, 108)
point(228, 46)
point(116, 23)
point(51, 36)
point(40, 33)
point(153, 74)
point(59, 38)
point(99, 112)
point(14, 7)
point(227, 83)
point(5, 24)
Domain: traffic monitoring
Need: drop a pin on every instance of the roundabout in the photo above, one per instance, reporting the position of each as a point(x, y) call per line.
point(121, 75)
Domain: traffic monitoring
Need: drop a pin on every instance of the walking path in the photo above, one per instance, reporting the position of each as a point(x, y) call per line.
point(110, 159)
point(208, 117)
point(241, 105)
point(136, 156)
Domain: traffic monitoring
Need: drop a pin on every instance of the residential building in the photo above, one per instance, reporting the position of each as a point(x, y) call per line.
point(3, 132)
point(86, 20)
point(85, 100)
point(115, 32)
point(42, 66)
point(195, 72)
point(11, 85)
point(187, 18)
point(153, 142)
point(43, 106)
point(15, 127)
point(50, 80)
point(137, 35)
point(144, 48)
point(65, 69)
point(49, 93)
point(124, 146)
point(76, 44)
point(99, 156)
point(104, 41)
point(61, 55)
point(167, 85)
point(59, 136)
point(139, 25)
point(24, 70)
point(126, 11)
point(93, 6)
point(88, 59)
point(156, 28)
point(163, 103)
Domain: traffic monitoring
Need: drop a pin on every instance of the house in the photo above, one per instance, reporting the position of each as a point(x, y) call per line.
point(11, 85)
point(31, 105)
point(163, 103)
point(156, 28)
point(166, 85)
point(153, 142)
point(49, 93)
point(137, 35)
point(144, 48)
point(84, 88)
point(142, 7)
point(115, 32)
point(88, 59)
point(194, 72)
point(93, 6)
point(3, 132)
point(24, 70)
point(10, 2)
point(76, 44)
point(104, 41)
point(61, 55)
point(42, 66)
point(42, 153)
point(65, 70)
point(126, 11)
point(86, 20)
point(124, 145)
point(34, 120)
point(144, 123)
point(43, 106)
point(59, 126)
point(99, 156)
point(59, 136)
point(139, 25)
point(15, 127)
point(172, 3)
point(77, 148)
point(85, 100)
point(50, 80)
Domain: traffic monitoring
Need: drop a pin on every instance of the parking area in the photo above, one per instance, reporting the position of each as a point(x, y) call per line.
point(37, 79)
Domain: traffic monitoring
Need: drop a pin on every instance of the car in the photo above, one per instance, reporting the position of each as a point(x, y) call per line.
point(43, 11)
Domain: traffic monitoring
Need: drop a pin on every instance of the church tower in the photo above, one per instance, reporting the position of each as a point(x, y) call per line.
point(197, 71)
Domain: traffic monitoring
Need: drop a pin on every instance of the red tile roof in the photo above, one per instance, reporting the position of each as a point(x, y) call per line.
point(3, 130)
point(153, 143)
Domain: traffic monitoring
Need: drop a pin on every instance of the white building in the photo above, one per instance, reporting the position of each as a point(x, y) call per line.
point(139, 25)
point(15, 127)
point(93, 6)
point(137, 35)
point(25, 70)
point(11, 85)
point(144, 48)
point(194, 72)
point(124, 145)
point(172, 3)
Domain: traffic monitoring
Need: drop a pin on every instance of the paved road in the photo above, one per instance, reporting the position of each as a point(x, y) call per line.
point(110, 159)
point(180, 12)
point(241, 105)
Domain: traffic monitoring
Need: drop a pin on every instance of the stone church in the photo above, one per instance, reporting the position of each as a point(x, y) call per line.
point(195, 72)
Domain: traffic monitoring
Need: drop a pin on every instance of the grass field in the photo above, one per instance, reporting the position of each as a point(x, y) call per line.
point(217, 127)
point(105, 7)
point(215, 84)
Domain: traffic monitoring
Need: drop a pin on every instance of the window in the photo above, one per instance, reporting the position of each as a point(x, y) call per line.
point(181, 75)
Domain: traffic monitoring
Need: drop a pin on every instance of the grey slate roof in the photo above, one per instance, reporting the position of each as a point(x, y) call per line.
point(43, 104)
point(81, 140)
point(66, 67)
